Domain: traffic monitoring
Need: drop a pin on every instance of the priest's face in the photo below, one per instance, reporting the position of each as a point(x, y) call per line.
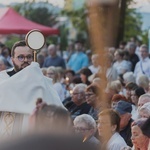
point(23, 56)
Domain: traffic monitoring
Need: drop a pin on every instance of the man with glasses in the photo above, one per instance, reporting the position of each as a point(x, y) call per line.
point(21, 87)
point(21, 55)
point(78, 103)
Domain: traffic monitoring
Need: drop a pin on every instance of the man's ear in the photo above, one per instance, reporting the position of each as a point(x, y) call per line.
point(113, 128)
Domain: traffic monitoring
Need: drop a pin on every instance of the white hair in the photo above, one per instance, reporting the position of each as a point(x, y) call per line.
point(143, 81)
point(86, 119)
point(81, 87)
point(145, 95)
point(51, 46)
point(146, 107)
point(129, 77)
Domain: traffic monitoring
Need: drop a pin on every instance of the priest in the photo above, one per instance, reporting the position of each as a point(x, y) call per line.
point(20, 88)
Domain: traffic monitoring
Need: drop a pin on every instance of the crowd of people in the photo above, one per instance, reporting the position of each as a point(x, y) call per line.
point(120, 122)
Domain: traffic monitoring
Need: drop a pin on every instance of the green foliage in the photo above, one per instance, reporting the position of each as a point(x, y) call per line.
point(145, 37)
point(78, 20)
point(40, 14)
point(10, 42)
point(133, 24)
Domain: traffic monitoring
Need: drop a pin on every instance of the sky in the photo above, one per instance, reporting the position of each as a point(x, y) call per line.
point(59, 3)
point(143, 4)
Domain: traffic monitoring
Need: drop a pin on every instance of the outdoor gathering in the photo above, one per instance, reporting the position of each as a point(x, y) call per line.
point(75, 75)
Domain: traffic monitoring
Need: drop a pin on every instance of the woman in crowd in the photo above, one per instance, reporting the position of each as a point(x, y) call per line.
point(84, 74)
point(86, 126)
point(116, 98)
point(146, 130)
point(130, 86)
point(143, 81)
point(95, 67)
point(144, 111)
point(112, 88)
point(52, 73)
point(92, 98)
point(121, 65)
point(108, 128)
point(135, 94)
point(139, 140)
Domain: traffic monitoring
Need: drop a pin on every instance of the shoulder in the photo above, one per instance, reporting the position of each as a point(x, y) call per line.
point(116, 142)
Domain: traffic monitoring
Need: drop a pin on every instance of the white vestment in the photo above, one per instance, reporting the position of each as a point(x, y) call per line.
point(19, 94)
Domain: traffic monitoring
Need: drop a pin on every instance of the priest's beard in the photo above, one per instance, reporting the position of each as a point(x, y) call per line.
point(17, 68)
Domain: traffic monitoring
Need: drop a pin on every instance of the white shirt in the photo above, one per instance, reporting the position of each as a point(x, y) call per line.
point(144, 65)
point(134, 112)
point(94, 69)
point(116, 142)
point(122, 66)
point(59, 89)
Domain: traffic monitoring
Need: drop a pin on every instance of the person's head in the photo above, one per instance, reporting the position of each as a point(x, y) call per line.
point(143, 81)
point(6, 52)
point(40, 59)
point(110, 59)
point(124, 109)
point(131, 48)
point(130, 86)
point(116, 98)
point(122, 45)
point(84, 74)
point(135, 94)
point(119, 54)
point(44, 71)
point(60, 72)
point(113, 87)
point(21, 55)
point(78, 46)
point(111, 50)
point(146, 128)
point(143, 99)
point(144, 51)
point(139, 140)
point(3, 64)
point(108, 123)
point(50, 118)
point(84, 124)
point(70, 74)
point(128, 77)
point(95, 60)
point(92, 94)
point(52, 51)
point(78, 95)
point(144, 111)
point(52, 73)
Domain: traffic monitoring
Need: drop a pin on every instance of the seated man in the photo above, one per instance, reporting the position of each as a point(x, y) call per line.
point(124, 109)
point(78, 103)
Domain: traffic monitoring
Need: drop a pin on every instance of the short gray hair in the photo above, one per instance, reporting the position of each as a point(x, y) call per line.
point(129, 77)
point(144, 46)
point(143, 81)
point(145, 95)
point(81, 87)
point(146, 107)
point(87, 119)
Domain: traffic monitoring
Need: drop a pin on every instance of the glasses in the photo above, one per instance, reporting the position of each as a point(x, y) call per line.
point(22, 58)
point(75, 93)
point(88, 95)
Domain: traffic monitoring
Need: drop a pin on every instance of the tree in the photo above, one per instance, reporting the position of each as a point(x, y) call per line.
point(130, 21)
point(37, 12)
point(78, 18)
